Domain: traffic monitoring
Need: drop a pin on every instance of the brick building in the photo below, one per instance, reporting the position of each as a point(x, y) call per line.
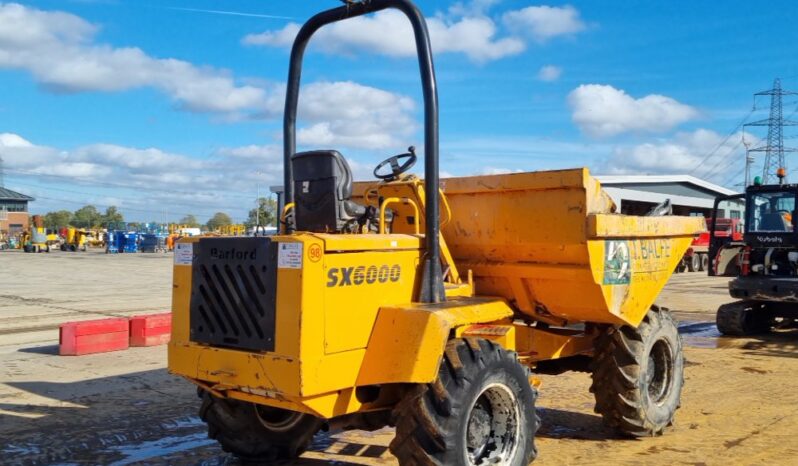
point(14, 217)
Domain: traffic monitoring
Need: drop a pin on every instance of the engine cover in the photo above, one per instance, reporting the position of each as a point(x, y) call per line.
point(234, 293)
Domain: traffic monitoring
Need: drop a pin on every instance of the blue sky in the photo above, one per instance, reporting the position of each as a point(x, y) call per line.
point(165, 110)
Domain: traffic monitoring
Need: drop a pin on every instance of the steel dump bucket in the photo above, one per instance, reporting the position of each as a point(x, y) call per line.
point(550, 243)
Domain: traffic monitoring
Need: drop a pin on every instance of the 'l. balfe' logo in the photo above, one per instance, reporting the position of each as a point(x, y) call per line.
point(347, 276)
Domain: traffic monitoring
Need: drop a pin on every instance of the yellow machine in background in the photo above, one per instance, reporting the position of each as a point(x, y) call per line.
point(233, 230)
point(95, 238)
point(425, 305)
point(75, 240)
point(35, 239)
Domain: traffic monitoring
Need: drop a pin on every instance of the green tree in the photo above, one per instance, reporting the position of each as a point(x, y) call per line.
point(219, 219)
point(190, 221)
point(86, 217)
point(112, 215)
point(267, 207)
point(58, 219)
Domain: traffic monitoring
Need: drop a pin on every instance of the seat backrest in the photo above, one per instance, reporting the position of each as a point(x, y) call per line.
point(773, 221)
point(322, 183)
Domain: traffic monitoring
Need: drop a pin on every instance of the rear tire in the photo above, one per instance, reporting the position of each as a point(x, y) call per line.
point(694, 263)
point(480, 411)
point(681, 266)
point(255, 432)
point(742, 318)
point(638, 374)
point(704, 262)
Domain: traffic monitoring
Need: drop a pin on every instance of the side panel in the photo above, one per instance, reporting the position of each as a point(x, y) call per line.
point(356, 285)
point(631, 273)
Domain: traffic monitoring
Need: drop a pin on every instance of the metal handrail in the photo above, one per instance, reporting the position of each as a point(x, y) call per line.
point(404, 200)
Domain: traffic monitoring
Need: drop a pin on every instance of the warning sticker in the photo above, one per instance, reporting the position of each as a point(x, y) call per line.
point(289, 256)
point(184, 253)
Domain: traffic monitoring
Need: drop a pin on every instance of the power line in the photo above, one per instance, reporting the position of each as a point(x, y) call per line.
point(722, 143)
point(84, 203)
point(134, 200)
point(733, 177)
point(712, 171)
point(73, 180)
point(203, 209)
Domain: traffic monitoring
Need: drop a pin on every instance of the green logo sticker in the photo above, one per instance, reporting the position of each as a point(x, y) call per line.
point(617, 264)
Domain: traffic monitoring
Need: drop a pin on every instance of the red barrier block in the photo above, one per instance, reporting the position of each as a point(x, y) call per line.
point(93, 336)
point(151, 330)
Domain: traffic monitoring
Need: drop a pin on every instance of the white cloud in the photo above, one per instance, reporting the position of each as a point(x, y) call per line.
point(348, 114)
point(472, 7)
point(549, 73)
point(19, 153)
point(685, 153)
point(60, 51)
point(544, 22)
point(146, 179)
point(13, 140)
point(143, 179)
point(602, 110)
point(389, 33)
point(352, 115)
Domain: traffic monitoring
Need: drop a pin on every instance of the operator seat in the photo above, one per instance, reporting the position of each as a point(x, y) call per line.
point(322, 193)
point(773, 221)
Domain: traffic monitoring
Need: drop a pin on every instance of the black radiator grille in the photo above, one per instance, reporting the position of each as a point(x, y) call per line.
point(233, 293)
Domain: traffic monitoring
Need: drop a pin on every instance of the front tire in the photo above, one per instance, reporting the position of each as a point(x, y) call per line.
point(480, 411)
point(638, 374)
point(255, 432)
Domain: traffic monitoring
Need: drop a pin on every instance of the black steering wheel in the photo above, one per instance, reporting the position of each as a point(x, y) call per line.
point(397, 168)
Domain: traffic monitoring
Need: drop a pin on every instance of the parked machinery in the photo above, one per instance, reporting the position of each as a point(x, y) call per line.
point(119, 239)
point(398, 303)
point(35, 239)
point(75, 239)
point(152, 242)
point(764, 261)
point(696, 259)
point(233, 230)
point(153, 237)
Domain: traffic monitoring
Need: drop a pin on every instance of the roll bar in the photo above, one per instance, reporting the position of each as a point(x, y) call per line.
point(432, 275)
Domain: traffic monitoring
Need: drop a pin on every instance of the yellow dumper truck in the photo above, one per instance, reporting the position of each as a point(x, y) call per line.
point(423, 304)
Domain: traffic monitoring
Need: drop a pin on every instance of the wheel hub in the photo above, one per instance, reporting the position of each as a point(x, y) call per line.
point(659, 373)
point(275, 419)
point(493, 427)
